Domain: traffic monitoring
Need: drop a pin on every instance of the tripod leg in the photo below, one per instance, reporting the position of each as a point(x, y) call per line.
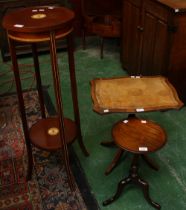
point(150, 163)
point(74, 92)
point(145, 187)
point(114, 162)
point(120, 188)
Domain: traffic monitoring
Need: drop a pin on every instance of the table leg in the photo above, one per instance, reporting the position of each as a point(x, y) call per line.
point(145, 187)
point(38, 80)
point(143, 184)
point(133, 178)
point(120, 188)
point(21, 107)
point(150, 163)
point(114, 162)
point(74, 91)
point(57, 88)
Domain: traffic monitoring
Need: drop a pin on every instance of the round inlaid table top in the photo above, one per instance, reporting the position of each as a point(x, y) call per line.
point(138, 135)
point(38, 20)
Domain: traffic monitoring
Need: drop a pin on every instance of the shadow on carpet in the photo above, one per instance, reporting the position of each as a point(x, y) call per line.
point(48, 188)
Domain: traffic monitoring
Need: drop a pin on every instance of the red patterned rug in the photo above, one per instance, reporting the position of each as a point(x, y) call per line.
point(48, 188)
point(15, 192)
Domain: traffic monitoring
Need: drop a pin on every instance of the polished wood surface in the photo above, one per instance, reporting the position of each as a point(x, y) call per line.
point(38, 19)
point(139, 135)
point(38, 22)
point(42, 24)
point(45, 133)
point(120, 151)
point(153, 40)
point(7, 6)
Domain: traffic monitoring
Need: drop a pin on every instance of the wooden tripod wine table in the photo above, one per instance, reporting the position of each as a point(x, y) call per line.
point(46, 24)
point(138, 136)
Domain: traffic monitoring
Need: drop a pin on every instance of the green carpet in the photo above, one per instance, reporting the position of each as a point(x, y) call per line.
point(168, 185)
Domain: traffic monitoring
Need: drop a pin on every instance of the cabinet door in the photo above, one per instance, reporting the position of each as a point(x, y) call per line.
point(131, 36)
point(155, 40)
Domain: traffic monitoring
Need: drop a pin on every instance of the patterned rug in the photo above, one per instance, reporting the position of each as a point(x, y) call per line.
point(48, 188)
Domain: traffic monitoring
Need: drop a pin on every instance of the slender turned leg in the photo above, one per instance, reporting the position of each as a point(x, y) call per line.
point(57, 88)
point(102, 44)
point(74, 92)
point(21, 108)
point(114, 162)
point(38, 80)
point(150, 163)
point(120, 188)
point(145, 187)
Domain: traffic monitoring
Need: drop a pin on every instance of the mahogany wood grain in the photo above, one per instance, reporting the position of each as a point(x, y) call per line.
point(139, 136)
point(7, 6)
point(35, 29)
point(41, 138)
point(40, 24)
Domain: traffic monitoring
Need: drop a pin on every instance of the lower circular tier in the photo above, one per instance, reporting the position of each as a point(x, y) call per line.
point(45, 133)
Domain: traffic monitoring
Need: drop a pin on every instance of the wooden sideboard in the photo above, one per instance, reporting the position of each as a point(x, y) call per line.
point(153, 40)
point(9, 5)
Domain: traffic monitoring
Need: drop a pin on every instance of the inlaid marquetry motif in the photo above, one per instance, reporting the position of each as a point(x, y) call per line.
point(38, 16)
point(53, 131)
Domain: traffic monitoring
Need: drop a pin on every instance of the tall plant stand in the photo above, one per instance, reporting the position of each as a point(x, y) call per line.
point(46, 24)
